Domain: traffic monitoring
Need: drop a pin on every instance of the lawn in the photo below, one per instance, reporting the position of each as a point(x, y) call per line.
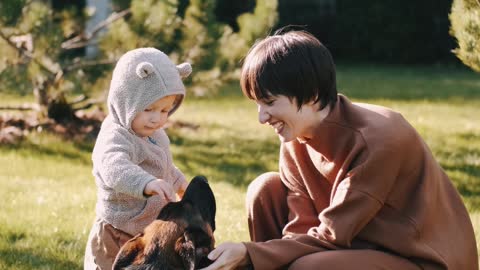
point(48, 192)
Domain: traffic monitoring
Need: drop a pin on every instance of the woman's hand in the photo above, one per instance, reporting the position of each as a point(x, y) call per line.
point(228, 256)
point(160, 187)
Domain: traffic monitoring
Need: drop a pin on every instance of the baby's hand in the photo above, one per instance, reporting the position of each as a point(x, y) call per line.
point(181, 190)
point(160, 187)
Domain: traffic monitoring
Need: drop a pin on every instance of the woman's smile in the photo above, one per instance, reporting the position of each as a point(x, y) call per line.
point(278, 126)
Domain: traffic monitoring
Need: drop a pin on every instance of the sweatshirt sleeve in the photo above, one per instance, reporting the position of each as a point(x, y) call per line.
point(355, 201)
point(301, 209)
point(113, 159)
point(279, 253)
point(357, 198)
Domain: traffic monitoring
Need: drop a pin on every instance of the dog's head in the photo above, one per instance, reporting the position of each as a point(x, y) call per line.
point(180, 238)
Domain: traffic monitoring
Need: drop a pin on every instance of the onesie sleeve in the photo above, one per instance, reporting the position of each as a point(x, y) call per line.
point(176, 177)
point(113, 160)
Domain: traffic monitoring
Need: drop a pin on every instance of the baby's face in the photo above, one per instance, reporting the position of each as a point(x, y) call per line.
point(153, 117)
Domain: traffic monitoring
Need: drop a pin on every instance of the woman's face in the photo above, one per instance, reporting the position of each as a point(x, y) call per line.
point(289, 123)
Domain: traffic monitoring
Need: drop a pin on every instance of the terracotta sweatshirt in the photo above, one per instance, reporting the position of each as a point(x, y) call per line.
point(368, 181)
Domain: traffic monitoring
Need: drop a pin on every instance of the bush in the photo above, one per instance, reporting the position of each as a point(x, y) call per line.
point(53, 61)
point(465, 19)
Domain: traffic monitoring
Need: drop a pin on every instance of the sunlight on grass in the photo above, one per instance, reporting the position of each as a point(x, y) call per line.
point(48, 192)
point(476, 225)
point(12, 99)
point(48, 199)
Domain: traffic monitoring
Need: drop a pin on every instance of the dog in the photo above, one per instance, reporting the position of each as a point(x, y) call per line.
point(180, 238)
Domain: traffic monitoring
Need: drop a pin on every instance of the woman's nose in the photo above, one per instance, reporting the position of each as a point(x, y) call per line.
point(263, 115)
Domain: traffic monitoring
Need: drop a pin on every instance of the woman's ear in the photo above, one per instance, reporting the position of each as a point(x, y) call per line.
point(129, 251)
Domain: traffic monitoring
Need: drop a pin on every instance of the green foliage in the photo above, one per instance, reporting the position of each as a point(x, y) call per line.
point(15, 80)
point(259, 23)
point(41, 39)
point(228, 11)
point(119, 39)
point(465, 20)
point(199, 34)
point(235, 45)
point(10, 11)
point(185, 30)
point(158, 20)
point(191, 33)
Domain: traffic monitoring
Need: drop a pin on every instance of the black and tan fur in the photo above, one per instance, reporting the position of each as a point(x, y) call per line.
point(180, 238)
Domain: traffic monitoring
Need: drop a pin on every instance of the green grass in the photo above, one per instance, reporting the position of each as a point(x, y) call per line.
point(48, 193)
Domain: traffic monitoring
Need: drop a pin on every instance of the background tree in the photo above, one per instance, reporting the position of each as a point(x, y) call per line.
point(41, 46)
point(33, 56)
point(465, 20)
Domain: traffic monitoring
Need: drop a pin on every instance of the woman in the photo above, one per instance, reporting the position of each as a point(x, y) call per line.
point(357, 187)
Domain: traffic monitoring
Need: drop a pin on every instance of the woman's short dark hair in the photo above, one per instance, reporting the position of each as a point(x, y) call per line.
point(294, 64)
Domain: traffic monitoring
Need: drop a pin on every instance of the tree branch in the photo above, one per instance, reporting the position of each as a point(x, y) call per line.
point(84, 39)
point(26, 53)
point(24, 107)
point(84, 64)
point(89, 104)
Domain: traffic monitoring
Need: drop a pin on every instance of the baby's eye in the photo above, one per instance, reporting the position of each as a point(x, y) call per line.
point(148, 110)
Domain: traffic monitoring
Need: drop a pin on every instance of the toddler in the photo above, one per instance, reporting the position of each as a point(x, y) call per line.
point(132, 163)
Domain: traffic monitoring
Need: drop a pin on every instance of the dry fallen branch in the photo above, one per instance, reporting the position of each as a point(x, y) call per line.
point(23, 107)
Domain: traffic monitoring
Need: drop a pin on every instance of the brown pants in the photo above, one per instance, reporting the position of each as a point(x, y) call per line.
point(103, 244)
point(268, 213)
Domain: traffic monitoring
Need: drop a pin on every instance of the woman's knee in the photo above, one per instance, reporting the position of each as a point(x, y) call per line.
point(353, 259)
point(265, 185)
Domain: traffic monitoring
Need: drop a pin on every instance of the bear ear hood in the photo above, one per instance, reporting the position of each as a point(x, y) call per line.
point(141, 77)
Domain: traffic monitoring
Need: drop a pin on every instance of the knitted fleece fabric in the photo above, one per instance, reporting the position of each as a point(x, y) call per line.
point(124, 163)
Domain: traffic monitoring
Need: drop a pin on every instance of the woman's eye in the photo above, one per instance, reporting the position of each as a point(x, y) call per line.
point(148, 110)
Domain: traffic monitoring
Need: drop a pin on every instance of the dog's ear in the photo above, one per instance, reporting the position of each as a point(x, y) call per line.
point(186, 249)
point(201, 196)
point(169, 211)
point(129, 251)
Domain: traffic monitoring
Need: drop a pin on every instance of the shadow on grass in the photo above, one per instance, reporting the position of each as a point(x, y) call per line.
point(30, 259)
point(462, 165)
point(14, 254)
point(234, 160)
point(78, 151)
